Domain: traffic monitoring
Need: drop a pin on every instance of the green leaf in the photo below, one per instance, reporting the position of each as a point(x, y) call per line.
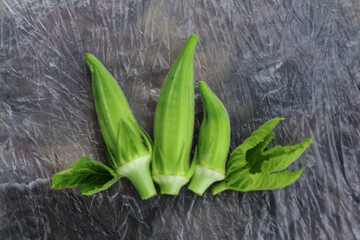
point(90, 176)
point(250, 168)
point(279, 158)
point(248, 153)
point(275, 181)
point(244, 181)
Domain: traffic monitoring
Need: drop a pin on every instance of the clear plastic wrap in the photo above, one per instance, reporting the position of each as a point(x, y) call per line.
point(264, 59)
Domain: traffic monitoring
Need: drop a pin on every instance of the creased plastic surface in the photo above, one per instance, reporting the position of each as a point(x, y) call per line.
point(294, 59)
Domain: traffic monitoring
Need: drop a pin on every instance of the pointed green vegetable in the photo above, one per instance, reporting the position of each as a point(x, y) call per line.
point(90, 176)
point(128, 146)
point(214, 142)
point(129, 156)
point(174, 123)
point(250, 168)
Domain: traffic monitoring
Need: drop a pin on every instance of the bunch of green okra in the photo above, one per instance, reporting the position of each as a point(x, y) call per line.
point(166, 161)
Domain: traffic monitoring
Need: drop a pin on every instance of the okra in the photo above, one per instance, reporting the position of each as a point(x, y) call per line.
point(213, 144)
point(174, 123)
point(128, 146)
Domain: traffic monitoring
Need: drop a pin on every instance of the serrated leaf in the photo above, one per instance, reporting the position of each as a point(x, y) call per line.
point(275, 180)
point(247, 154)
point(90, 176)
point(279, 158)
point(250, 168)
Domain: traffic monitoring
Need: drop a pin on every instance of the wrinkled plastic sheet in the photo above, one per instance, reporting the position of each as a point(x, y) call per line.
point(295, 59)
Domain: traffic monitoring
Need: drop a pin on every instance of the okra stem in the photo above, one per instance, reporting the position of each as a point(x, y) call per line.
point(203, 178)
point(218, 188)
point(137, 171)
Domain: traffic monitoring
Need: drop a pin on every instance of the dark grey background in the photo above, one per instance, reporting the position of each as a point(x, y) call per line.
point(296, 59)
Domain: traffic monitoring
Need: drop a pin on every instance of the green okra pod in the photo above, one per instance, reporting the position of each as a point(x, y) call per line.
point(174, 123)
point(214, 142)
point(124, 139)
